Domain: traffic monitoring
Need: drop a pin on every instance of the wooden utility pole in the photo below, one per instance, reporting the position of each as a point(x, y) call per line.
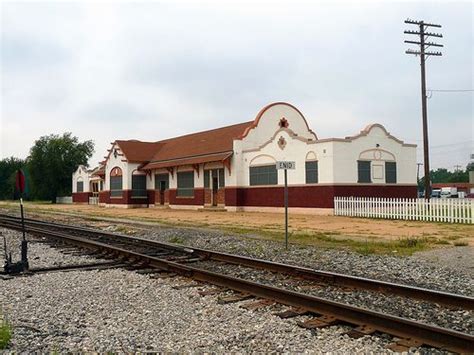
point(424, 54)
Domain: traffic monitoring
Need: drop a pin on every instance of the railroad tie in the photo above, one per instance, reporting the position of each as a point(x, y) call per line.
point(212, 291)
point(292, 312)
point(234, 298)
point(251, 306)
point(404, 344)
point(320, 322)
point(360, 331)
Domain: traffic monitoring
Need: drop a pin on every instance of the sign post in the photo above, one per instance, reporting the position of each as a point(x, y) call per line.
point(20, 186)
point(285, 165)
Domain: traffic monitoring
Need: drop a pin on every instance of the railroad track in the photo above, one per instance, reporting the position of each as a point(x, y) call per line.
point(186, 260)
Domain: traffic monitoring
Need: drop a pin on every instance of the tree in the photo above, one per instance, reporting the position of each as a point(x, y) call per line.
point(8, 169)
point(52, 161)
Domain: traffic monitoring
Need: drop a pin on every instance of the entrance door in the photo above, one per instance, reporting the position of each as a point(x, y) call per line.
point(215, 186)
point(162, 192)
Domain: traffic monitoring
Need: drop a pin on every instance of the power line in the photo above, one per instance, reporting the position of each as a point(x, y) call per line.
point(452, 90)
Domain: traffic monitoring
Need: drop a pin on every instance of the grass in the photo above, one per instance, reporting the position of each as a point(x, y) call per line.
point(176, 240)
point(5, 333)
point(367, 242)
point(369, 245)
point(461, 244)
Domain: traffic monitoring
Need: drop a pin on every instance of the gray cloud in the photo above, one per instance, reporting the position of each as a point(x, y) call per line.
point(156, 70)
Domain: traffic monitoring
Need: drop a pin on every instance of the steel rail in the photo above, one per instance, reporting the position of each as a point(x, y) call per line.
point(336, 279)
point(426, 334)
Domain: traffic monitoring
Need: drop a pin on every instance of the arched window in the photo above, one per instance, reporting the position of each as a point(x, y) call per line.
point(311, 168)
point(79, 185)
point(116, 179)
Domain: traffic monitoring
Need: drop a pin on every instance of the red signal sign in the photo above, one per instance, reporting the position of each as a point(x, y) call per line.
point(20, 181)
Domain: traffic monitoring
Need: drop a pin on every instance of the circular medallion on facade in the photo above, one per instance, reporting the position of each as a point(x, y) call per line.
point(282, 142)
point(377, 154)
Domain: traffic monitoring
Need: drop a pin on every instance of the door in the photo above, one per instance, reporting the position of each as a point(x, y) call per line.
point(162, 192)
point(215, 186)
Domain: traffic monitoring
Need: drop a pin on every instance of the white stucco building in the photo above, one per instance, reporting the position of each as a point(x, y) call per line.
point(234, 166)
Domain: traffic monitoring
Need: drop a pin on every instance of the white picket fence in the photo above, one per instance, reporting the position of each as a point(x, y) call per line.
point(450, 210)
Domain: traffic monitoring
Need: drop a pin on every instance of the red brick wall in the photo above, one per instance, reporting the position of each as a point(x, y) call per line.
point(320, 196)
point(207, 196)
point(157, 197)
point(197, 199)
point(126, 198)
point(81, 197)
point(221, 196)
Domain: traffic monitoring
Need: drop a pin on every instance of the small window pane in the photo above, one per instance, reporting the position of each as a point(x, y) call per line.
point(390, 172)
point(263, 175)
point(116, 186)
point(185, 184)
point(80, 186)
point(364, 171)
point(139, 186)
point(206, 178)
point(221, 178)
point(311, 172)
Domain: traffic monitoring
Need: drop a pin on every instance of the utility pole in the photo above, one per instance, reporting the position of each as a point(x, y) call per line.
point(457, 167)
point(424, 54)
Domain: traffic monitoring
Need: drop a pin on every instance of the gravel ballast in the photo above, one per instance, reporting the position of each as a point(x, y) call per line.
point(132, 312)
point(122, 311)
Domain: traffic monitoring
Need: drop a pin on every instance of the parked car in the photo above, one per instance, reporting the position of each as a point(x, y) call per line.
point(449, 192)
point(436, 193)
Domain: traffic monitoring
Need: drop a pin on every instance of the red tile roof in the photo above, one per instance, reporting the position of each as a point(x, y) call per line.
point(177, 151)
point(137, 151)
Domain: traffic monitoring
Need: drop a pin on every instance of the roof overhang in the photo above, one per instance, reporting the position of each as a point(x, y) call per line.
point(200, 159)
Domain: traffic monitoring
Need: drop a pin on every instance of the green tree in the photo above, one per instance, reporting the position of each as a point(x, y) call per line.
point(8, 168)
point(52, 161)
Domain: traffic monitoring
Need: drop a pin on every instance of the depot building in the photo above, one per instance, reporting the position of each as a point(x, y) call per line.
point(234, 167)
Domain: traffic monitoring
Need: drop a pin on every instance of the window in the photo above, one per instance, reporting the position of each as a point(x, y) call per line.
point(115, 186)
point(221, 178)
point(162, 177)
point(263, 175)
point(311, 172)
point(390, 172)
point(116, 182)
point(139, 186)
point(80, 186)
point(363, 168)
point(207, 183)
point(185, 184)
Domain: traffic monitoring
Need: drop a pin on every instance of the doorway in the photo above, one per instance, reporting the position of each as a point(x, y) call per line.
point(162, 192)
point(215, 187)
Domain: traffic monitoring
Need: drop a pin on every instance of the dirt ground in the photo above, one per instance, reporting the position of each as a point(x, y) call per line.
point(334, 226)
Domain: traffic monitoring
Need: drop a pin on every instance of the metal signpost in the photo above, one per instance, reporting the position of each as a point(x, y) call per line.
point(286, 165)
point(10, 267)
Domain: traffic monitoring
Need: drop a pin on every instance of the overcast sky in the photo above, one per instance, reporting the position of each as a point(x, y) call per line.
point(149, 71)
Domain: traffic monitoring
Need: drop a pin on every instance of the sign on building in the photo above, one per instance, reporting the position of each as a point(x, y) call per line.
point(286, 165)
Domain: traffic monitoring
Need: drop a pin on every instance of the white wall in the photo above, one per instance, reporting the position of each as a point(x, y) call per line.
point(365, 147)
point(337, 158)
point(80, 173)
point(113, 162)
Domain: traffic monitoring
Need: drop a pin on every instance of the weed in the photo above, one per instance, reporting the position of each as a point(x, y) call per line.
point(441, 241)
point(5, 333)
point(176, 240)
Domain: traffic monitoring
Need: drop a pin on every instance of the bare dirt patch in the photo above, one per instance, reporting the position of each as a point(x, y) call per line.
point(304, 226)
